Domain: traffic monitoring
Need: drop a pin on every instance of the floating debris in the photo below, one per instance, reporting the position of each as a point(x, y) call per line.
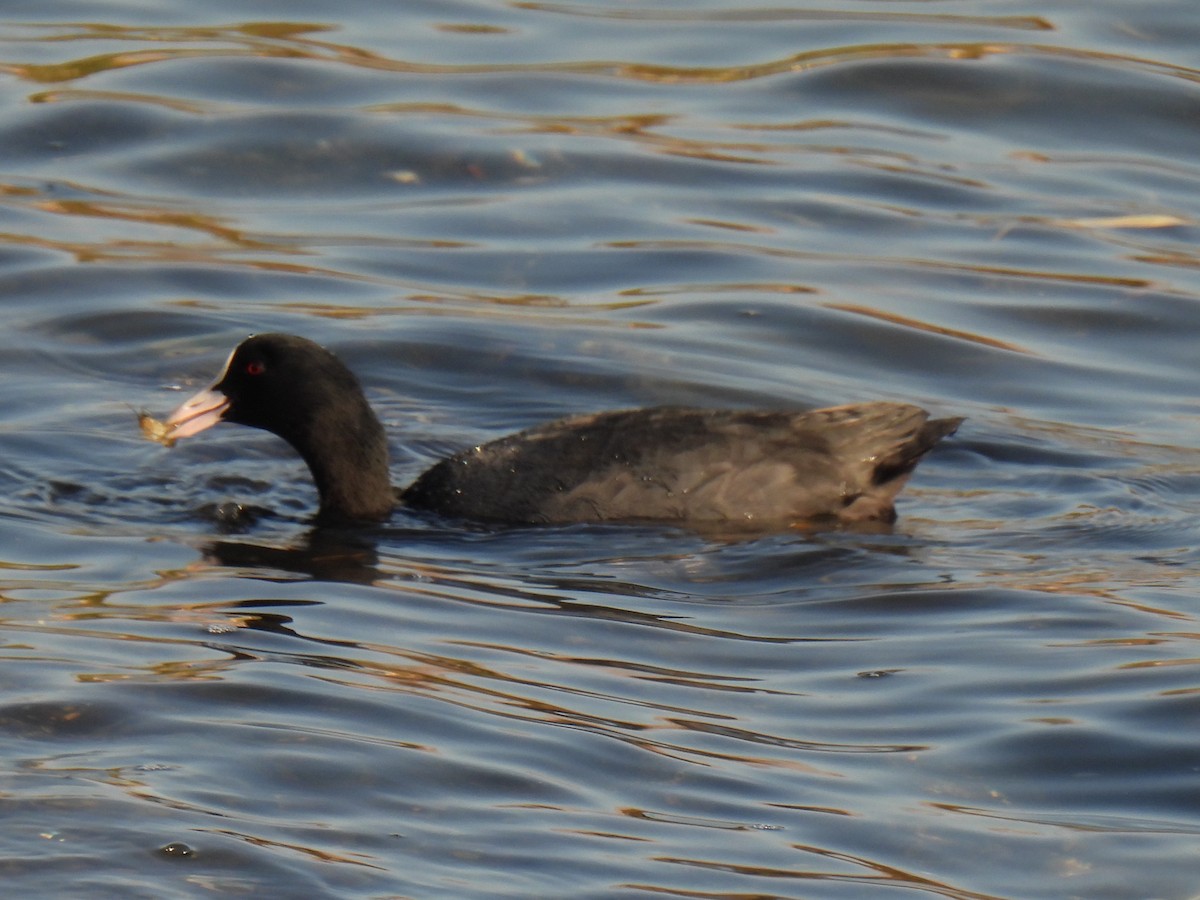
point(154, 430)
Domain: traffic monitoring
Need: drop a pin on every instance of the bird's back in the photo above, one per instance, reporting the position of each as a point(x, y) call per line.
point(690, 466)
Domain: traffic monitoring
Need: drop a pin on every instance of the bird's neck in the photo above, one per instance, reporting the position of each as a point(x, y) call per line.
point(351, 472)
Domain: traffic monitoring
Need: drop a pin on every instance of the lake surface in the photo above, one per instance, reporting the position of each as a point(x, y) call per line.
point(500, 213)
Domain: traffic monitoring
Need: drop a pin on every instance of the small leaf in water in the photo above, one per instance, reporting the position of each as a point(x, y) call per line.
point(154, 430)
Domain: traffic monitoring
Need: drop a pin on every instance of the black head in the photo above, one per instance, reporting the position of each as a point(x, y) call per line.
point(289, 385)
point(297, 389)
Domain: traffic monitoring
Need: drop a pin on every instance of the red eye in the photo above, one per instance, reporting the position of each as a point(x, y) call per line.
point(255, 368)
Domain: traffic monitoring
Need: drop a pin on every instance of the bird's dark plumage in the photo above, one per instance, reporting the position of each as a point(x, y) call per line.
point(666, 464)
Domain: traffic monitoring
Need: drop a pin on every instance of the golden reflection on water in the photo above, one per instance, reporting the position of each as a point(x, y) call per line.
point(287, 43)
point(295, 40)
point(229, 242)
point(188, 220)
point(226, 244)
point(323, 856)
point(863, 871)
point(82, 95)
point(783, 14)
point(918, 325)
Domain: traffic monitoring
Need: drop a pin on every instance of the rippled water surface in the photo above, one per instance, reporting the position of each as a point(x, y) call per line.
point(498, 213)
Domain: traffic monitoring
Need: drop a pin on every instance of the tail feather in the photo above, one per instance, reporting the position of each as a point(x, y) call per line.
point(909, 449)
point(889, 440)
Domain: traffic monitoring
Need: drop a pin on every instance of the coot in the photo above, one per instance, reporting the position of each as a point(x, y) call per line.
point(668, 464)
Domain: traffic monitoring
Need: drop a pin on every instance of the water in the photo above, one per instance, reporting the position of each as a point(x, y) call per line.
point(502, 213)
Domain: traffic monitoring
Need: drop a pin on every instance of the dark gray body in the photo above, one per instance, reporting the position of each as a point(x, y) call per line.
point(690, 466)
